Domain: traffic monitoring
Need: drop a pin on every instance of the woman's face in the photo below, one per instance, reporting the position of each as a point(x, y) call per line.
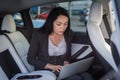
point(60, 25)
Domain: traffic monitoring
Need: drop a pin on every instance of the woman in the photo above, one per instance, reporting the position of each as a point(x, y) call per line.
point(51, 45)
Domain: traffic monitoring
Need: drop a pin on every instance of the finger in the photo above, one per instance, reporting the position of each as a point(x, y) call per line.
point(59, 68)
point(56, 69)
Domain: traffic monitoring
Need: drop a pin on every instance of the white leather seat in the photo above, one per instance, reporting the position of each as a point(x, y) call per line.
point(20, 42)
point(4, 46)
point(95, 34)
point(22, 46)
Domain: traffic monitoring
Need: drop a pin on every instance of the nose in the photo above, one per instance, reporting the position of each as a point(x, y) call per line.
point(63, 27)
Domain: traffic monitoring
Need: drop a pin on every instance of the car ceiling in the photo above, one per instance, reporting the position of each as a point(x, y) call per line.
point(10, 6)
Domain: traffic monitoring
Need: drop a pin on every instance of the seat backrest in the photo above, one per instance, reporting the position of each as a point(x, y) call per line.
point(10, 63)
point(96, 36)
point(20, 42)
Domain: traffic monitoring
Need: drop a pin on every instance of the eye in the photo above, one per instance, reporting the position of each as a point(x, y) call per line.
point(66, 24)
point(58, 24)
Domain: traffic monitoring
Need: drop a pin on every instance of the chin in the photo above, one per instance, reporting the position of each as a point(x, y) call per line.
point(60, 34)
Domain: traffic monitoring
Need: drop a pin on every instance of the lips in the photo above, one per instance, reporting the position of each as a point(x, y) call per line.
point(61, 31)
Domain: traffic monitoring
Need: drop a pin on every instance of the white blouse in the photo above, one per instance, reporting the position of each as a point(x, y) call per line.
point(56, 50)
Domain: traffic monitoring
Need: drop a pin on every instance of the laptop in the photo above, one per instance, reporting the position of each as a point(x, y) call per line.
point(74, 68)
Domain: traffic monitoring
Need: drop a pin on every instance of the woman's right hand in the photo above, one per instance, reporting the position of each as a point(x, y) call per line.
point(53, 67)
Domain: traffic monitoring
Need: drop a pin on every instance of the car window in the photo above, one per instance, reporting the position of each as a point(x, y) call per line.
point(79, 14)
point(37, 23)
point(39, 14)
point(78, 11)
point(18, 20)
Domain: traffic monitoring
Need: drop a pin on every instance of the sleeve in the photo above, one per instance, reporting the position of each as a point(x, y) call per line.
point(34, 51)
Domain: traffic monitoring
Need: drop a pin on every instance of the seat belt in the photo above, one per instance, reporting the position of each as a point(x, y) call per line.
point(107, 24)
point(74, 56)
point(3, 33)
point(115, 54)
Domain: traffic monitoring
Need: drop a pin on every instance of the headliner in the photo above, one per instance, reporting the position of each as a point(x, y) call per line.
point(9, 6)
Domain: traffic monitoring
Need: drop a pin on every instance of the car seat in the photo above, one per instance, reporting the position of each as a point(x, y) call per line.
point(101, 46)
point(20, 42)
point(10, 63)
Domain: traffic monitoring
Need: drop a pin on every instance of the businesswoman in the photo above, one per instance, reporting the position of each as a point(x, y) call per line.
point(50, 47)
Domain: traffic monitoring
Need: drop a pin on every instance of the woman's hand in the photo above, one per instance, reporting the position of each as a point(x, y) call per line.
point(66, 63)
point(53, 67)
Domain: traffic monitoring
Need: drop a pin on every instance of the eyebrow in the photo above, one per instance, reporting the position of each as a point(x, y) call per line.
point(61, 22)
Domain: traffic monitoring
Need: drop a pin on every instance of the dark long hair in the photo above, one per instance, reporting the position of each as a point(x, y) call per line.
point(54, 13)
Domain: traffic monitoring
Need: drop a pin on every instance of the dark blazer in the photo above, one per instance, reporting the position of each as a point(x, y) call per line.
point(38, 55)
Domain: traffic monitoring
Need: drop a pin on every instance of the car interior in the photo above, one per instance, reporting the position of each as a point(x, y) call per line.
point(99, 38)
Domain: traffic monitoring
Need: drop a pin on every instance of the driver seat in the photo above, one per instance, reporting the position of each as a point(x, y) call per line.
point(96, 37)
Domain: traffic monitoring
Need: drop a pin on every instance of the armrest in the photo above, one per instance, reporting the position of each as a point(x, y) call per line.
point(29, 77)
point(35, 75)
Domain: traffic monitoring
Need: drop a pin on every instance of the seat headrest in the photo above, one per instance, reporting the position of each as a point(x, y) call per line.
point(8, 23)
point(96, 12)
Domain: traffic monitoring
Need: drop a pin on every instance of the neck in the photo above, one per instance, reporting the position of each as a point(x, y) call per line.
point(55, 38)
